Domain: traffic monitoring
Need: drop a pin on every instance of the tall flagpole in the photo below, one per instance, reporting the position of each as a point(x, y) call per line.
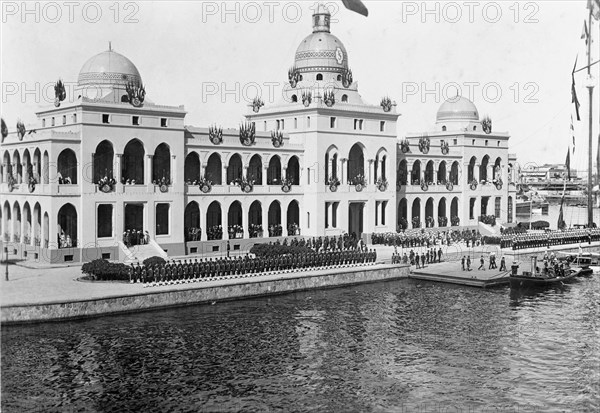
point(590, 87)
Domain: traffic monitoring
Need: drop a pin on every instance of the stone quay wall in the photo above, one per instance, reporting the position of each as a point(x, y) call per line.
point(242, 288)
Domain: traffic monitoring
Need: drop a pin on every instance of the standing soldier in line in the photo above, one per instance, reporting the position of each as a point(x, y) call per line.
point(143, 275)
point(469, 263)
point(462, 261)
point(440, 254)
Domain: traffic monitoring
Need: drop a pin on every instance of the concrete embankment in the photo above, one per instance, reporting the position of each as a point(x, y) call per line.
point(198, 293)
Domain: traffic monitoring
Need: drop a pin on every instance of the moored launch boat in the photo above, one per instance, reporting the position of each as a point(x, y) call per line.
point(536, 277)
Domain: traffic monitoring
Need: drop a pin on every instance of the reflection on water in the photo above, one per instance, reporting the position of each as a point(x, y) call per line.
point(395, 346)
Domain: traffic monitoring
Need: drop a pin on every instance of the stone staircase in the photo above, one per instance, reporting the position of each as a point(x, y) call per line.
point(138, 253)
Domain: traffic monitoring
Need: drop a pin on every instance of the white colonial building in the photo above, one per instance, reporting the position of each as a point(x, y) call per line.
point(320, 162)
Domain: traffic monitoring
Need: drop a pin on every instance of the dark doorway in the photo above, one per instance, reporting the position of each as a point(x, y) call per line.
point(355, 218)
point(134, 217)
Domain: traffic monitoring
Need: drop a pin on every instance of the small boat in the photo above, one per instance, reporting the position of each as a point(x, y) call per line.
point(536, 277)
point(587, 262)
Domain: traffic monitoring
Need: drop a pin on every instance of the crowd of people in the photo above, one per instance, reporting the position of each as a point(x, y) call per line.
point(65, 240)
point(427, 238)
point(132, 237)
point(193, 234)
point(210, 268)
point(545, 239)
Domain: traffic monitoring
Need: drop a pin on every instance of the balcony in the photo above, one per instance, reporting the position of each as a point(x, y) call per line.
point(236, 190)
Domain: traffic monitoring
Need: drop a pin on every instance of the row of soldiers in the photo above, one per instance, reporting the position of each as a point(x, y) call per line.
point(427, 238)
point(542, 240)
point(188, 271)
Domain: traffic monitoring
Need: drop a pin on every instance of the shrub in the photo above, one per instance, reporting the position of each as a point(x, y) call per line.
point(150, 261)
point(106, 271)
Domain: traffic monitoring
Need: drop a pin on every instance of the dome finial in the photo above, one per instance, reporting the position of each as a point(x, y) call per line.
point(321, 19)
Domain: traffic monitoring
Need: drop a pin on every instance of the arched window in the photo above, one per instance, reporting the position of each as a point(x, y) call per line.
point(339, 78)
point(415, 176)
point(356, 162)
point(161, 164)
point(416, 213)
point(255, 170)
point(402, 174)
point(191, 222)
point(429, 172)
point(429, 218)
point(235, 221)
point(319, 76)
point(293, 171)
point(18, 168)
point(103, 161)
point(293, 218)
point(7, 168)
point(344, 98)
point(234, 169)
point(454, 209)
point(441, 175)
point(132, 167)
point(483, 175)
point(67, 167)
point(454, 173)
point(471, 171)
point(192, 168)
point(402, 214)
point(442, 213)
point(274, 219)
point(444, 128)
point(274, 171)
point(294, 98)
point(214, 169)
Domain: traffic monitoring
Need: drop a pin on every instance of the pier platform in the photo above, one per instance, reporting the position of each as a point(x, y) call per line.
point(452, 273)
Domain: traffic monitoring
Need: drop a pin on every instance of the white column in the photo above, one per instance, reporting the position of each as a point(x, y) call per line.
point(284, 220)
point(148, 170)
point(173, 170)
point(224, 175)
point(25, 173)
point(265, 179)
point(265, 219)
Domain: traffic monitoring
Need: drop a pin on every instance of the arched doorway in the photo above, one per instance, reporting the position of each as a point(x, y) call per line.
point(442, 218)
point(46, 168)
point(293, 171)
point(214, 230)
point(356, 163)
point(18, 168)
point(235, 223)
point(37, 165)
point(471, 171)
point(454, 173)
point(7, 225)
point(191, 222)
point(132, 167)
point(46, 230)
point(255, 228)
point(274, 171)
point(429, 173)
point(454, 212)
point(402, 175)
point(441, 174)
point(161, 164)
point(214, 170)
point(27, 224)
point(293, 218)
point(483, 173)
point(103, 161)
point(402, 214)
point(274, 219)
point(67, 226)
point(37, 224)
point(497, 171)
point(429, 218)
point(67, 167)
point(255, 170)
point(16, 218)
point(234, 169)
point(416, 213)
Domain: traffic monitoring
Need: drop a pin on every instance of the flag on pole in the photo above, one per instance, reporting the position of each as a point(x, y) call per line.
point(585, 34)
point(568, 164)
point(356, 6)
point(594, 6)
point(574, 92)
point(573, 134)
point(561, 224)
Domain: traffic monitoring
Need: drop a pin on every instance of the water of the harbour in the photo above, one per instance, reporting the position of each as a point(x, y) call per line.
point(401, 346)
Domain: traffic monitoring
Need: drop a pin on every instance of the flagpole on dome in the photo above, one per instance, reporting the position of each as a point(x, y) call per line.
point(594, 13)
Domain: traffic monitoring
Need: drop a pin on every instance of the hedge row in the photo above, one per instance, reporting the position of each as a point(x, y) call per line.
point(103, 270)
point(151, 261)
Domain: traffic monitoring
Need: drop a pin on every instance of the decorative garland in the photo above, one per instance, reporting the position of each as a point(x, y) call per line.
point(445, 148)
point(205, 185)
point(382, 184)
point(449, 186)
point(106, 184)
point(333, 184)
point(136, 93)
point(215, 134)
point(3, 129)
point(498, 184)
point(386, 104)
point(59, 92)
point(247, 133)
point(246, 185)
point(257, 103)
point(424, 185)
point(306, 98)
point(347, 78)
point(286, 186)
point(424, 144)
point(486, 124)
point(473, 185)
point(277, 138)
point(21, 130)
point(404, 146)
point(293, 76)
point(329, 98)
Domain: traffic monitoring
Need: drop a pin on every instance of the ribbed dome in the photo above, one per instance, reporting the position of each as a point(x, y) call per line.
point(108, 68)
point(458, 108)
point(321, 50)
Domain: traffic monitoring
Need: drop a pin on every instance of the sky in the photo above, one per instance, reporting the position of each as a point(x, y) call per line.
point(513, 59)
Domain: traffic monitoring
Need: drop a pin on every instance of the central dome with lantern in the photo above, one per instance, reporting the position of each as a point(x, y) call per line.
point(321, 50)
point(457, 108)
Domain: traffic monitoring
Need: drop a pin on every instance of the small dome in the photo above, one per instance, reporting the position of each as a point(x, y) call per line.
point(458, 108)
point(321, 50)
point(108, 68)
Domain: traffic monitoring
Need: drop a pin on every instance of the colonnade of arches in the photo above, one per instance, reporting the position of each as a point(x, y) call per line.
point(237, 221)
point(354, 165)
point(484, 170)
point(428, 172)
point(428, 212)
point(257, 169)
point(31, 226)
point(24, 167)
